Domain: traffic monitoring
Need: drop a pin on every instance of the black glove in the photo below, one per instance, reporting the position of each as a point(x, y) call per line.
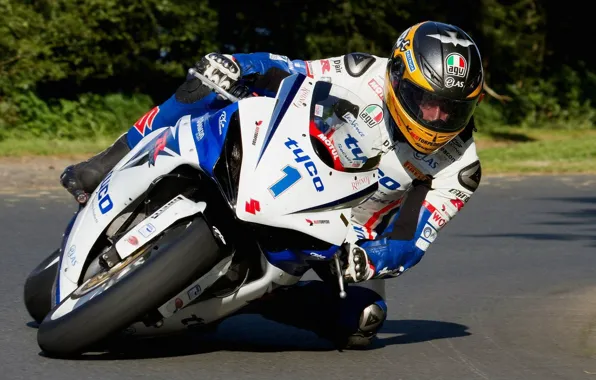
point(342, 107)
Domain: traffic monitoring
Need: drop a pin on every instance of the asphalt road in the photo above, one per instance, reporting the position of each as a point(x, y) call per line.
point(508, 291)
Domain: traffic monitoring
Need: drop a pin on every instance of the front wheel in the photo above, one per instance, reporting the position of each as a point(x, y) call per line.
point(113, 300)
point(38, 287)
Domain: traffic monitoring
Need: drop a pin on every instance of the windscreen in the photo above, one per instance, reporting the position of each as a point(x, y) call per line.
point(344, 129)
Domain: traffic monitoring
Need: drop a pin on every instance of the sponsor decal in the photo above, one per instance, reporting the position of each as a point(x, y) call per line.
point(301, 98)
point(252, 207)
point(410, 61)
point(325, 66)
point(352, 145)
point(414, 170)
point(429, 233)
point(222, 121)
point(457, 203)
point(452, 82)
point(200, 127)
point(302, 158)
point(337, 65)
point(194, 292)
point(165, 207)
point(420, 139)
point(256, 134)
point(359, 182)
point(317, 256)
point(444, 151)
point(430, 161)
point(387, 182)
point(377, 88)
point(320, 221)
point(72, 255)
point(351, 119)
point(456, 66)
point(319, 110)
point(158, 147)
point(309, 72)
point(372, 115)
point(104, 201)
point(460, 194)
point(133, 240)
point(330, 146)
point(437, 220)
point(147, 230)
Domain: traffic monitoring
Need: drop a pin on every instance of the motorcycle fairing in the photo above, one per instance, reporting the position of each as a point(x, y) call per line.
point(283, 181)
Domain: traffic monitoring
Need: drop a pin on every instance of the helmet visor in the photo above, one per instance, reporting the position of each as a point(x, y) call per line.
point(433, 111)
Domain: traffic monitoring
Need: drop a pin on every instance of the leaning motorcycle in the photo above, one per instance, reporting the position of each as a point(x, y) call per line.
point(206, 216)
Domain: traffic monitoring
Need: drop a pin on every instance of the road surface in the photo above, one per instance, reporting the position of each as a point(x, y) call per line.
point(508, 291)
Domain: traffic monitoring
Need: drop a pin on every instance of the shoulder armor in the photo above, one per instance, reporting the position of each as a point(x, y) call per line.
point(469, 177)
point(357, 63)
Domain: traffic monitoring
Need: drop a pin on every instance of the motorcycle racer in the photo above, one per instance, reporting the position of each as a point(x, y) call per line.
point(423, 95)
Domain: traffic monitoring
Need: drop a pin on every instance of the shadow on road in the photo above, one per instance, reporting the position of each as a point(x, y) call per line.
point(265, 338)
point(569, 223)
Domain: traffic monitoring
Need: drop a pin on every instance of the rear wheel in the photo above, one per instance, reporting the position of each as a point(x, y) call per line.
point(111, 301)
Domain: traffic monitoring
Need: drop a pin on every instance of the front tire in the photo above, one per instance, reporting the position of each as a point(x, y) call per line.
point(38, 287)
point(148, 280)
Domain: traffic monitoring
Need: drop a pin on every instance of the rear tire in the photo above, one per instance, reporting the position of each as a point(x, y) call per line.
point(184, 253)
point(38, 287)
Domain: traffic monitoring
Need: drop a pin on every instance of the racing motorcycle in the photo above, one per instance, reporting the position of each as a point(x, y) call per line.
point(204, 217)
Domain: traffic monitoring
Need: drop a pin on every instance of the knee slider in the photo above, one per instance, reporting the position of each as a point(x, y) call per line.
point(372, 317)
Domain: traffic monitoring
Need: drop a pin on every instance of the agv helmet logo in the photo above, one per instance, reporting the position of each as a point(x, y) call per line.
point(456, 65)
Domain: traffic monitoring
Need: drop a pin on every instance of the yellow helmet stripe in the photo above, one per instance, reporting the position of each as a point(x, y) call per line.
point(413, 71)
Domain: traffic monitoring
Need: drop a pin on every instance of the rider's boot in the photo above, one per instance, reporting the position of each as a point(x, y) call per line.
point(351, 323)
point(87, 175)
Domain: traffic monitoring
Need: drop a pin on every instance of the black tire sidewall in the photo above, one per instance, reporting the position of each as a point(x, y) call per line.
point(166, 272)
point(38, 288)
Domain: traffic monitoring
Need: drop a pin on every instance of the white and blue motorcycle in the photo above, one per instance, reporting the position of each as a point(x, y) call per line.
point(204, 217)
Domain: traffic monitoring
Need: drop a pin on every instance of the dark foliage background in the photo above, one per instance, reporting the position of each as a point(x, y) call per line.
point(85, 68)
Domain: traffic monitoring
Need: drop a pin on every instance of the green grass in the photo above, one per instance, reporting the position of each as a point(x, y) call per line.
point(501, 150)
point(40, 147)
point(537, 151)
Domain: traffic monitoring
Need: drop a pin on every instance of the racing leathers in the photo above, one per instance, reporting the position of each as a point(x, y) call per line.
point(417, 194)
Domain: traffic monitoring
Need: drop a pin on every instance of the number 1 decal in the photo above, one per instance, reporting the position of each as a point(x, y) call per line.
point(291, 176)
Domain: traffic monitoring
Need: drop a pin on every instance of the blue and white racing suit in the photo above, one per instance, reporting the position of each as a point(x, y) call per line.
point(418, 194)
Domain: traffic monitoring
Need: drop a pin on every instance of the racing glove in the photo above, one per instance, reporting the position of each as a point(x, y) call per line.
point(221, 69)
point(375, 259)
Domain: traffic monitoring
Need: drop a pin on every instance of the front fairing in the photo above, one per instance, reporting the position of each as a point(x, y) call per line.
point(294, 178)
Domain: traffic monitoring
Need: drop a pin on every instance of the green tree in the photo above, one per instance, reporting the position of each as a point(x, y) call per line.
point(62, 49)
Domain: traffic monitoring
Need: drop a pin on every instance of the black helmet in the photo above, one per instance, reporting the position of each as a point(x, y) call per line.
point(433, 82)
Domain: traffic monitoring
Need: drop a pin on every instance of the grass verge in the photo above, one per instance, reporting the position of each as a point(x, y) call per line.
point(59, 148)
point(510, 151)
point(501, 150)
